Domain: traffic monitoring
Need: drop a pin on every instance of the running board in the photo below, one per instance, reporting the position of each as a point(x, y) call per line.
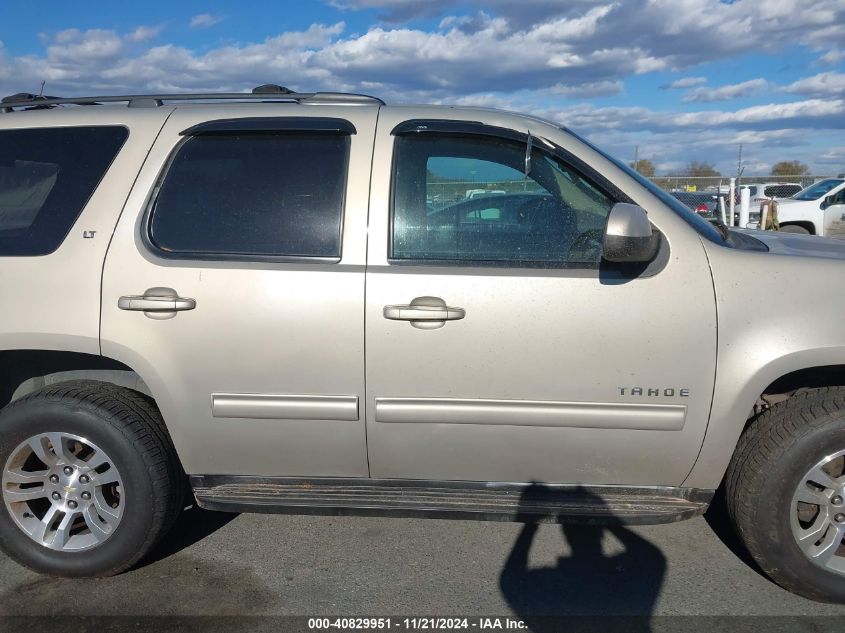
point(547, 503)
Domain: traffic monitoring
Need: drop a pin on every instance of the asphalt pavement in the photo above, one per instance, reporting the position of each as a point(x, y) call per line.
point(234, 565)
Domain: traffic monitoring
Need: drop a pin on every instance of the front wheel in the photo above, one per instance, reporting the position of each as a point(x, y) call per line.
point(90, 480)
point(786, 493)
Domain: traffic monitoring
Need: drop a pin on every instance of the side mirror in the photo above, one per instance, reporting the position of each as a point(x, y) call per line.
point(628, 236)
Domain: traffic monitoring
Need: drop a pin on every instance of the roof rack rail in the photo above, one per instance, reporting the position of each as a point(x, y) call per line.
point(266, 93)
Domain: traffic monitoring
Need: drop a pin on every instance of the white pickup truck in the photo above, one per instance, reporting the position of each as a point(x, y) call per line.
point(817, 210)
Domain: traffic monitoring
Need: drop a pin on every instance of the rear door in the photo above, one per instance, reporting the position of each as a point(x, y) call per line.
point(235, 286)
point(529, 359)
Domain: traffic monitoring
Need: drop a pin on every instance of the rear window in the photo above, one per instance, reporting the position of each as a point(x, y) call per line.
point(781, 191)
point(47, 176)
point(247, 196)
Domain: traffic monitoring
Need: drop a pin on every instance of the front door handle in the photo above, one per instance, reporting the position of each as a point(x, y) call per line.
point(424, 313)
point(157, 303)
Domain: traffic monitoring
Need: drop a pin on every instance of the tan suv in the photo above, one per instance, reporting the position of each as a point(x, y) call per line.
point(288, 302)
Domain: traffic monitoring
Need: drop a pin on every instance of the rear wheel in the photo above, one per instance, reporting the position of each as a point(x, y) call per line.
point(795, 228)
point(786, 493)
point(90, 480)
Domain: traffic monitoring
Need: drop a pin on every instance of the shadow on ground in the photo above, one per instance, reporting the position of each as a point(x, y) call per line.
point(587, 582)
point(719, 521)
point(193, 525)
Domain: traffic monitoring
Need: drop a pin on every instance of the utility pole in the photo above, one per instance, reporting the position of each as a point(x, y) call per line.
point(739, 169)
point(637, 157)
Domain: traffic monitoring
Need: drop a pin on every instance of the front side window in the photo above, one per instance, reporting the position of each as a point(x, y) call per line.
point(837, 198)
point(253, 195)
point(466, 198)
point(47, 176)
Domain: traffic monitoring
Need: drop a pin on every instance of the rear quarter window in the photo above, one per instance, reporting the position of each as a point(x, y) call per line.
point(47, 176)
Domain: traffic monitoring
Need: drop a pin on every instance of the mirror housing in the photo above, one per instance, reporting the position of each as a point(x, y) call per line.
point(826, 202)
point(628, 236)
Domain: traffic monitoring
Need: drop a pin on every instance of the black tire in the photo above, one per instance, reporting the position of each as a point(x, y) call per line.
point(795, 228)
point(128, 427)
point(772, 456)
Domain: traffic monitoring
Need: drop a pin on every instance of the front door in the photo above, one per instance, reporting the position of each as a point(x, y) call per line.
point(834, 215)
point(498, 347)
point(236, 288)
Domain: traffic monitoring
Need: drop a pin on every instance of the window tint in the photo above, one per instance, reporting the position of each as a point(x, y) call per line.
point(466, 198)
point(47, 176)
point(247, 195)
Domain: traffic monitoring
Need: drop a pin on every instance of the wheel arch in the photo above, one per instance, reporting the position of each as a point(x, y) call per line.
point(23, 371)
point(734, 406)
point(807, 224)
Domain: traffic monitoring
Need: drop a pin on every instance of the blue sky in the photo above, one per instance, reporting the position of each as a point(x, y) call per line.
point(681, 80)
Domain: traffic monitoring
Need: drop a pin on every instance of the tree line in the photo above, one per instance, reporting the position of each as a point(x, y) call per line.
point(701, 169)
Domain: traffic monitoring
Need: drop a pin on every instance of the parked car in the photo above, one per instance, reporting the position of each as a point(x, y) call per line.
point(253, 302)
point(705, 204)
point(481, 193)
point(761, 192)
point(817, 210)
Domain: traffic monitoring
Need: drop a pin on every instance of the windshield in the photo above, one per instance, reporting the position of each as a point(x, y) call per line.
point(701, 225)
point(817, 190)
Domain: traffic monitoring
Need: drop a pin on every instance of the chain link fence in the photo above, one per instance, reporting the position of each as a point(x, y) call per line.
point(699, 193)
point(694, 184)
point(443, 192)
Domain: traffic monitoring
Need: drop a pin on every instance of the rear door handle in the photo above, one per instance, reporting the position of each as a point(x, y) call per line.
point(157, 303)
point(425, 313)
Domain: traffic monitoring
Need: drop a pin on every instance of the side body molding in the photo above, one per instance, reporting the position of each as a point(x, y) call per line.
point(260, 406)
point(596, 415)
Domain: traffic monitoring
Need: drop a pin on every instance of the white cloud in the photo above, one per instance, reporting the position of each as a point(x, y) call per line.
point(726, 93)
point(768, 133)
point(588, 48)
point(823, 84)
point(684, 28)
point(204, 20)
point(528, 55)
point(833, 56)
point(588, 90)
point(525, 11)
point(686, 82)
point(75, 46)
point(765, 115)
point(770, 118)
point(833, 156)
point(144, 33)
